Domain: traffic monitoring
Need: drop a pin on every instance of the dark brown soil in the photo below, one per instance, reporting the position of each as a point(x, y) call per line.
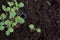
point(42, 13)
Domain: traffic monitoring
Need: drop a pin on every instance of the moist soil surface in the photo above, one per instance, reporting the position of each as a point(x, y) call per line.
point(44, 14)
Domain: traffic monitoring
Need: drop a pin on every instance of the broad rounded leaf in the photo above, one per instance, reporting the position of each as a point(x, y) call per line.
point(12, 13)
point(2, 28)
point(3, 16)
point(8, 22)
point(15, 8)
point(4, 7)
point(38, 29)
point(8, 9)
point(7, 33)
point(21, 4)
point(19, 19)
point(11, 29)
point(31, 26)
point(1, 23)
point(14, 24)
point(10, 4)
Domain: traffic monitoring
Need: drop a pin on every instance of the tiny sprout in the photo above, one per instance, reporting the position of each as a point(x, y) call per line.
point(31, 26)
point(21, 4)
point(38, 29)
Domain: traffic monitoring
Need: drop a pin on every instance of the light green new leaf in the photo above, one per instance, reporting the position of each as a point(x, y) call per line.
point(7, 33)
point(8, 9)
point(12, 10)
point(2, 28)
point(10, 29)
point(1, 23)
point(31, 26)
point(3, 16)
point(38, 29)
point(16, 3)
point(8, 23)
point(10, 4)
point(14, 24)
point(15, 8)
point(19, 19)
point(4, 7)
point(12, 15)
point(21, 4)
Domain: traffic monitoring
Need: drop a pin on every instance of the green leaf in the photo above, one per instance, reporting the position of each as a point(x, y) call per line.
point(3, 16)
point(17, 8)
point(14, 8)
point(8, 9)
point(21, 4)
point(12, 15)
point(38, 29)
point(1, 23)
point(7, 33)
point(10, 4)
point(8, 23)
point(14, 24)
point(4, 7)
point(2, 28)
point(10, 29)
point(19, 19)
point(31, 26)
point(16, 3)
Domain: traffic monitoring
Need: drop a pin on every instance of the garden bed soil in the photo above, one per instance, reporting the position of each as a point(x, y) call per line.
point(42, 13)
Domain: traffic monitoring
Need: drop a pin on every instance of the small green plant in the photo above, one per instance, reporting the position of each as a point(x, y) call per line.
point(32, 27)
point(12, 19)
point(38, 29)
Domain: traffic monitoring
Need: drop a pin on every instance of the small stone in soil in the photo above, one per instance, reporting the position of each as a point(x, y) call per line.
point(23, 15)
